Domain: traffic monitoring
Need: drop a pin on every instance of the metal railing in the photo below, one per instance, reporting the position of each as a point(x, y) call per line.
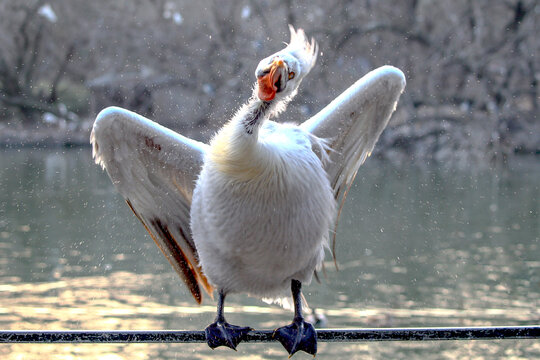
point(323, 335)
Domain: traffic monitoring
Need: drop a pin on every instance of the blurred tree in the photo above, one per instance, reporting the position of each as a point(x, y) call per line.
point(472, 70)
point(472, 66)
point(34, 59)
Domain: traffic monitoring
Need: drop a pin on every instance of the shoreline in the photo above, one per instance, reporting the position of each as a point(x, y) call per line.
point(70, 135)
point(44, 138)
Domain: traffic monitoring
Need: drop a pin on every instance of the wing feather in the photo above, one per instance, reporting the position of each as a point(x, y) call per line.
point(155, 170)
point(352, 123)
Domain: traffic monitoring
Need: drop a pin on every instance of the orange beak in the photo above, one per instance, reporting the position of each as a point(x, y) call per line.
point(267, 82)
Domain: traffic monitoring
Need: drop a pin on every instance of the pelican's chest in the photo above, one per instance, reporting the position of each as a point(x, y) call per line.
point(285, 139)
point(278, 150)
point(263, 207)
point(277, 182)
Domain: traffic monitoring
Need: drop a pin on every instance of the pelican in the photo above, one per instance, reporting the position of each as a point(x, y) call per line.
point(252, 211)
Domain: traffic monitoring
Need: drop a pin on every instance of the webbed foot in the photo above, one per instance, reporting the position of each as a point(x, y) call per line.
point(224, 334)
point(297, 336)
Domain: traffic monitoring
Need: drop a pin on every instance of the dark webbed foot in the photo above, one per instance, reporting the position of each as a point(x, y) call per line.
point(224, 334)
point(299, 335)
point(221, 333)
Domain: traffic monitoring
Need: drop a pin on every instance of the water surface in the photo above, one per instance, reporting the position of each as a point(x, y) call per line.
point(415, 247)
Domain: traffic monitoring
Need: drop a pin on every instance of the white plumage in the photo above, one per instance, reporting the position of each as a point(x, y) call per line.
point(250, 212)
point(257, 229)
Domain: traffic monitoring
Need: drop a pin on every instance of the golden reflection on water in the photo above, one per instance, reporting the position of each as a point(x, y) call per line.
point(416, 248)
point(115, 302)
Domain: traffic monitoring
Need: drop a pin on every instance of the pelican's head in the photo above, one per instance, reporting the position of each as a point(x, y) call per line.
point(280, 74)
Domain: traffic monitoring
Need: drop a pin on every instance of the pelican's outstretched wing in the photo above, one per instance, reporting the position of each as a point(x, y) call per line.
point(353, 122)
point(155, 170)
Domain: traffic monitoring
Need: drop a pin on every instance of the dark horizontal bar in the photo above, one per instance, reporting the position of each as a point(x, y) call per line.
point(323, 335)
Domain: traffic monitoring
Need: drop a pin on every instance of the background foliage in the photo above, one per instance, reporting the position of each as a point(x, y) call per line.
point(472, 66)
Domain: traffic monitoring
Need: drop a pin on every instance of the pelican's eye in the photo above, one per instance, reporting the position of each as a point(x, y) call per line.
point(291, 75)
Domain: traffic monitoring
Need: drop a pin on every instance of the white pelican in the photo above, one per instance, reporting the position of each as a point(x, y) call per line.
point(250, 212)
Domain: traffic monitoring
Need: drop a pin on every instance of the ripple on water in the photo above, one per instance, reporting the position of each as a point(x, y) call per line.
point(118, 301)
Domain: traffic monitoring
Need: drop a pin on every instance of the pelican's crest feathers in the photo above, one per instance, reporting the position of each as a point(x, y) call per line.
point(302, 48)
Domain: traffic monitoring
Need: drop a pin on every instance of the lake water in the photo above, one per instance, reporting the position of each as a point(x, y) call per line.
point(416, 247)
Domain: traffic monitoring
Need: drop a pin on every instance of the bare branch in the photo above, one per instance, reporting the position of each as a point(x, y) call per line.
point(347, 34)
point(30, 104)
point(53, 97)
point(30, 65)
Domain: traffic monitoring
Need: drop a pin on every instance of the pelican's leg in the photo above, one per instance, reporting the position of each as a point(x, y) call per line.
point(300, 335)
point(221, 333)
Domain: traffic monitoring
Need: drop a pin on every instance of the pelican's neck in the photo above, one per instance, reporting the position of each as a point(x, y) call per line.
point(234, 150)
point(252, 115)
